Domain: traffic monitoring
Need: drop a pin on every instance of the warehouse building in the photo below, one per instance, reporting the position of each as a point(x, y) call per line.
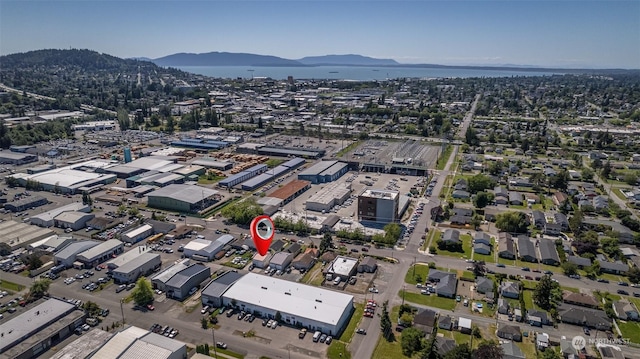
point(73, 220)
point(270, 175)
point(155, 178)
point(19, 235)
point(52, 244)
point(144, 164)
point(343, 267)
point(46, 219)
point(134, 342)
point(243, 176)
point(181, 283)
point(328, 197)
point(70, 179)
point(17, 159)
point(204, 249)
point(142, 265)
point(37, 329)
point(209, 162)
point(100, 253)
point(159, 281)
point(312, 153)
point(379, 206)
point(26, 203)
point(67, 255)
point(281, 260)
point(183, 198)
point(211, 295)
point(298, 304)
point(324, 172)
point(137, 234)
point(130, 255)
point(291, 191)
point(261, 261)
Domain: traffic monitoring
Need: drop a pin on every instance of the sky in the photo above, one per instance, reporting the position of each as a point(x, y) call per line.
point(550, 33)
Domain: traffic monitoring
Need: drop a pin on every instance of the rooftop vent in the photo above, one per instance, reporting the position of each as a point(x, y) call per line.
point(265, 288)
point(318, 300)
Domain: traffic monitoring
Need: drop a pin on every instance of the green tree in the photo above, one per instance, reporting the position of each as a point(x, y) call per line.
point(631, 178)
point(406, 319)
point(587, 175)
point(326, 242)
point(461, 351)
point(204, 323)
point(430, 348)
point(634, 275)
point(392, 232)
point(488, 349)
point(550, 354)
point(92, 309)
point(560, 180)
point(575, 222)
point(547, 293)
point(142, 294)
point(471, 137)
point(39, 288)
point(242, 212)
point(606, 170)
point(479, 268)
point(512, 222)
point(411, 341)
point(34, 261)
point(385, 322)
point(86, 198)
point(569, 268)
point(479, 183)
point(482, 199)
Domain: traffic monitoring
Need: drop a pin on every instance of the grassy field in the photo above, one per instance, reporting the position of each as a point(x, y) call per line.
point(385, 349)
point(273, 162)
point(466, 247)
point(429, 300)
point(630, 330)
point(10, 286)
point(487, 258)
point(353, 323)
point(338, 350)
point(528, 299)
point(225, 352)
point(444, 157)
point(204, 179)
point(312, 273)
point(345, 150)
point(415, 270)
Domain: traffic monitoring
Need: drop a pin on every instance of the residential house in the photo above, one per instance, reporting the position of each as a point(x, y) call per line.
point(510, 289)
point(572, 189)
point(538, 318)
point(506, 247)
point(482, 237)
point(460, 220)
point(445, 322)
point(542, 341)
point(445, 345)
point(552, 229)
point(461, 185)
point(526, 249)
point(520, 182)
point(515, 198)
point(481, 248)
point(503, 306)
point(464, 325)
point(581, 262)
point(464, 212)
point(562, 220)
point(501, 195)
point(559, 198)
point(294, 249)
point(548, 252)
point(451, 236)
point(581, 299)
point(511, 351)
point(549, 171)
point(484, 285)
point(539, 219)
point(600, 203)
point(368, 265)
point(613, 267)
point(585, 317)
point(460, 194)
point(304, 261)
point(509, 332)
point(490, 214)
point(446, 283)
point(567, 349)
point(425, 321)
point(626, 311)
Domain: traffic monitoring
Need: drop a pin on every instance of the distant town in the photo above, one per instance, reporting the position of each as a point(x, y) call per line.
point(415, 218)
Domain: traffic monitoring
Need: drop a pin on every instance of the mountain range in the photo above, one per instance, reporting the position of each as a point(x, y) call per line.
point(245, 59)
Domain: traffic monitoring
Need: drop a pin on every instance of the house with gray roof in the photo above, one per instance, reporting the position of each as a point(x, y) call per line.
point(552, 229)
point(445, 322)
point(501, 195)
point(581, 316)
point(446, 283)
point(538, 318)
point(548, 252)
point(506, 247)
point(484, 285)
point(460, 194)
point(509, 332)
point(482, 237)
point(451, 235)
point(180, 284)
point(613, 267)
point(425, 321)
point(626, 311)
point(526, 249)
point(581, 262)
point(511, 351)
point(515, 198)
point(510, 289)
point(481, 248)
point(539, 219)
point(445, 345)
point(503, 306)
point(562, 220)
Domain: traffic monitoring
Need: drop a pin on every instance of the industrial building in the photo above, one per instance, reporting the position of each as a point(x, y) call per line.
point(324, 171)
point(298, 304)
point(67, 255)
point(155, 178)
point(159, 280)
point(144, 164)
point(70, 179)
point(17, 159)
point(142, 265)
point(19, 235)
point(328, 197)
point(180, 284)
point(289, 192)
point(209, 162)
point(183, 198)
point(343, 267)
point(73, 220)
point(243, 176)
point(46, 219)
point(37, 329)
point(281, 260)
point(26, 203)
point(379, 206)
point(137, 234)
point(204, 249)
point(134, 342)
point(100, 253)
point(211, 295)
point(52, 244)
point(130, 255)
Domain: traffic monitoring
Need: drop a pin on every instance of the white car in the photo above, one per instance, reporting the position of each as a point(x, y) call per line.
point(204, 310)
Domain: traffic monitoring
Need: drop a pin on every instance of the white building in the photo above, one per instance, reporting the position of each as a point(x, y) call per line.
point(298, 304)
point(46, 219)
point(137, 234)
point(343, 267)
point(328, 197)
point(281, 260)
point(100, 253)
point(261, 261)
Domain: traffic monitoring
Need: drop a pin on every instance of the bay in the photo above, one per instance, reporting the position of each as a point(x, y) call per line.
point(355, 73)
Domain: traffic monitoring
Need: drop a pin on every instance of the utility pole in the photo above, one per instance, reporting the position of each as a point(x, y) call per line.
point(122, 311)
point(215, 346)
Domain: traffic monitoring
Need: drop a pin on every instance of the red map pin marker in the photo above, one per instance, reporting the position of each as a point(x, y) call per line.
point(262, 232)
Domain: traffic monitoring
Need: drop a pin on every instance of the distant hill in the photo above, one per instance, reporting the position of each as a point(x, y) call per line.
point(346, 60)
point(87, 60)
point(223, 59)
point(140, 58)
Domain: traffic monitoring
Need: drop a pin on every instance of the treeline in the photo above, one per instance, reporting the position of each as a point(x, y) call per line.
point(29, 134)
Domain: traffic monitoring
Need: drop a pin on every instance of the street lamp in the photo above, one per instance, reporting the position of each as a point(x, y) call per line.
point(122, 310)
point(215, 346)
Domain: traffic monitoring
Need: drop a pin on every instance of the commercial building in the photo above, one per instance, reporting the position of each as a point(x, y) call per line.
point(209, 162)
point(298, 304)
point(17, 159)
point(243, 176)
point(73, 220)
point(46, 219)
point(159, 281)
point(183, 198)
point(204, 249)
point(134, 342)
point(137, 234)
point(37, 329)
point(343, 267)
point(142, 265)
point(378, 206)
point(100, 253)
point(328, 197)
point(281, 260)
point(26, 203)
point(324, 171)
point(130, 255)
point(18, 234)
point(67, 255)
point(292, 190)
point(180, 284)
point(70, 179)
point(211, 295)
point(261, 261)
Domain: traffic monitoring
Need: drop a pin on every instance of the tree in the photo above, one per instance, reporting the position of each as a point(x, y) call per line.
point(587, 175)
point(86, 198)
point(512, 222)
point(479, 183)
point(385, 322)
point(634, 274)
point(547, 293)
point(392, 232)
point(39, 288)
point(92, 309)
point(560, 180)
point(34, 261)
point(593, 270)
point(471, 138)
point(411, 341)
point(142, 294)
point(325, 243)
point(606, 170)
point(569, 268)
point(204, 323)
point(242, 212)
point(461, 351)
point(631, 178)
point(430, 348)
point(551, 354)
point(479, 268)
point(488, 349)
point(482, 199)
point(575, 222)
point(406, 319)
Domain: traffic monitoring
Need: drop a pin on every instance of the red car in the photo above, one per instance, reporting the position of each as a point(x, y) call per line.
point(150, 307)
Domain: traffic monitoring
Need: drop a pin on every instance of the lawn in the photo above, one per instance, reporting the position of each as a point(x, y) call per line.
point(444, 158)
point(415, 270)
point(429, 300)
point(273, 162)
point(385, 349)
point(570, 289)
point(528, 347)
point(10, 286)
point(528, 299)
point(338, 350)
point(630, 330)
point(507, 262)
point(225, 352)
point(466, 247)
point(204, 179)
point(310, 273)
point(353, 323)
point(486, 310)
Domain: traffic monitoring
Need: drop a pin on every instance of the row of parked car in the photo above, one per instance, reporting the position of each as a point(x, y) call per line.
point(167, 331)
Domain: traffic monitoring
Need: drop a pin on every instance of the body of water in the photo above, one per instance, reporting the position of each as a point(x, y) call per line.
point(356, 73)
